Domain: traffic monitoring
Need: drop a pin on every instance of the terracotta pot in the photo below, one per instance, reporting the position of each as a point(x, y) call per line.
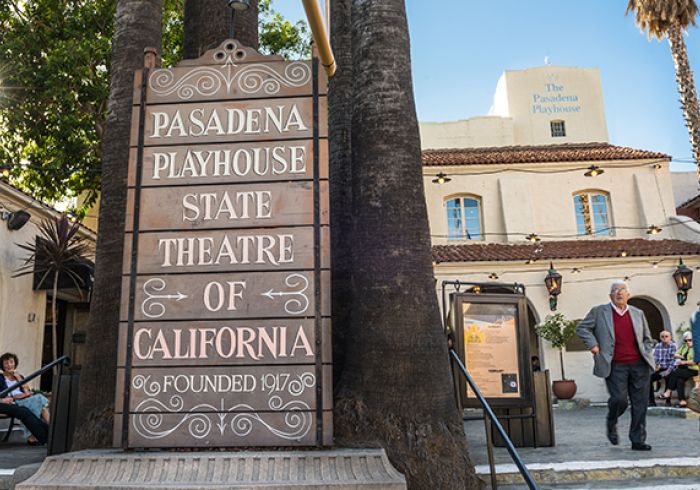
point(564, 389)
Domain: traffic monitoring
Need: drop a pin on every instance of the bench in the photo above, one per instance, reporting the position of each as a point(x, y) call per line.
point(9, 427)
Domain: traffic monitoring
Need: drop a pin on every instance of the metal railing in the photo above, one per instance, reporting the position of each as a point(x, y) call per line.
point(490, 416)
point(35, 374)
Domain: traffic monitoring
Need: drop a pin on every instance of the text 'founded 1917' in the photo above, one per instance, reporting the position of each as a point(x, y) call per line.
point(224, 335)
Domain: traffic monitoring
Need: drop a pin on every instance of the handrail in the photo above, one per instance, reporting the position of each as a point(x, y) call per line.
point(529, 480)
point(9, 389)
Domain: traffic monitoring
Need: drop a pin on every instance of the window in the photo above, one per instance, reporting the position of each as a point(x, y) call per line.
point(558, 129)
point(592, 213)
point(464, 218)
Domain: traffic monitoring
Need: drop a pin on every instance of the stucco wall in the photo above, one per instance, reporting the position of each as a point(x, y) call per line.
point(22, 310)
point(542, 201)
point(536, 96)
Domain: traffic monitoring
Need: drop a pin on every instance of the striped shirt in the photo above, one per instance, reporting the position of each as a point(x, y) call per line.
point(664, 356)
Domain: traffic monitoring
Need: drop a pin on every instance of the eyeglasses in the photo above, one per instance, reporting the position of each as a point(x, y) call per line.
point(688, 340)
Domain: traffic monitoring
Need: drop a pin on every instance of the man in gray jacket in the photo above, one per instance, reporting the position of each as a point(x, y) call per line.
point(619, 339)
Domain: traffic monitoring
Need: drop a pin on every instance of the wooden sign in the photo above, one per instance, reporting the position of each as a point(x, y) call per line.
point(224, 335)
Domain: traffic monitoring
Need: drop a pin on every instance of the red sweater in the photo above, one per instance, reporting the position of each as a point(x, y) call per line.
point(626, 349)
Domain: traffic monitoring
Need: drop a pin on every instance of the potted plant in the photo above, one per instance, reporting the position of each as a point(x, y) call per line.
point(558, 331)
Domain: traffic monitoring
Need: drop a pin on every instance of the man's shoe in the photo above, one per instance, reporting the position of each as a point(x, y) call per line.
point(612, 434)
point(640, 446)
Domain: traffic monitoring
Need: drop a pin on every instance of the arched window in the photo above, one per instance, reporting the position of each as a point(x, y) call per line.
point(464, 218)
point(592, 213)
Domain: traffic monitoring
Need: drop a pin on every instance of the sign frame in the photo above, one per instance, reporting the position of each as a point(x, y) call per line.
point(321, 434)
point(524, 375)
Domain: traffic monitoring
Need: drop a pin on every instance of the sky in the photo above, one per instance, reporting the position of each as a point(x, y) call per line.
point(460, 49)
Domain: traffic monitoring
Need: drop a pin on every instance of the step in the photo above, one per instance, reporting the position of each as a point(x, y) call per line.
point(579, 472)
point(342, 469)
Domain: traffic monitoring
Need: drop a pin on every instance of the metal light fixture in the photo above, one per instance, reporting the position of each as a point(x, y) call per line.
point(5, 170)
point(236, 6)
point(493, 276)
point(239, 5)
point(623, 253)
point(15, 219)
point(553, 283)
point(575, 270)
point(530, 261)
point(441, 178)
point(653, 230)
point(533, 238)
point(594, 170)
point(683, 277)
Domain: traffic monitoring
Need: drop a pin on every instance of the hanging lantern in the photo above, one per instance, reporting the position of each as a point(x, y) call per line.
point(683, 277)
point(553, 283)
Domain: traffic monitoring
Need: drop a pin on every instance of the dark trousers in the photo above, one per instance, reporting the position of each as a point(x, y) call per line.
point(655, 376)
point(676, 380)
point(35, 425)
point(629, 381)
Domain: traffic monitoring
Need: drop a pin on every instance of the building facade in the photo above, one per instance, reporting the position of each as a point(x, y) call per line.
point(557, 195)
point(25, 306)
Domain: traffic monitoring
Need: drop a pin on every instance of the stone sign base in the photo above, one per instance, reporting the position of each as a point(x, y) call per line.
point(339, 469)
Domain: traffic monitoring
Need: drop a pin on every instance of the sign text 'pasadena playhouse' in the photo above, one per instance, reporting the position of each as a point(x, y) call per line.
point(225, 318)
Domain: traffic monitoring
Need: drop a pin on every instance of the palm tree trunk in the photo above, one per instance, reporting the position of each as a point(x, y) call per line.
point(396, 388)
point(686, 89)
point(137, 26)
point(339, 127)
point(208, 22)
point(54, 320)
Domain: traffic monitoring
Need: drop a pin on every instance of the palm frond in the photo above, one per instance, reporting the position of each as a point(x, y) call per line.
point(56, 250)
point(656, 17)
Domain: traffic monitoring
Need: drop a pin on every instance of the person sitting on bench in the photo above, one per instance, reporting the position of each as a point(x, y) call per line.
point(39, 430)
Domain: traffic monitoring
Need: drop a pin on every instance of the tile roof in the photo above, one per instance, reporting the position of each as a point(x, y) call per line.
point(565, 249)
point(570, 152)
point(690, 203)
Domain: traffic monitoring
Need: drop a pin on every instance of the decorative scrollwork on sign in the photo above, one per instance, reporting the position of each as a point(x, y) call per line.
point(293, 306)
point(206, 81)
point(150, 419)
point(255, 78)
point(141, 382)
point(297, 423)
point(297, 386)
point(151, 307)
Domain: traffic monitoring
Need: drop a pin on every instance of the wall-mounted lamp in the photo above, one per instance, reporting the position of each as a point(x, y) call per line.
point(16, 219)
point(653, 230)
point(683, 277)
point(5, 170)
point(441, 178)
point(623, 253)
point(594, 170)
point(493, 276)
point(553, 283)
point(532, 238)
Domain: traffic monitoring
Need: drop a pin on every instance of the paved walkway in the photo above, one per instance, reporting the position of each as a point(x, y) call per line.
point(580, 436)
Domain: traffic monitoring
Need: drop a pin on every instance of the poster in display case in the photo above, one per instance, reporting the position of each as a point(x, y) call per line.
point(492, 340)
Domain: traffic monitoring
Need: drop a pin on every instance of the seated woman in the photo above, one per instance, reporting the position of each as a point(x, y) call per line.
point(686, 368)
point(22, 396)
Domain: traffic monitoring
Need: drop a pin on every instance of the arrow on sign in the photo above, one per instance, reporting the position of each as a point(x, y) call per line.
point(298, 304)
point(151, 307)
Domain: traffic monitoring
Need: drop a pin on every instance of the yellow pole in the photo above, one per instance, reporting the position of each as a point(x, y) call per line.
point(318, 29)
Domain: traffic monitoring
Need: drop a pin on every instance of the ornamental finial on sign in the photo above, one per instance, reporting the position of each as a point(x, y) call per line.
point(233, 50)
